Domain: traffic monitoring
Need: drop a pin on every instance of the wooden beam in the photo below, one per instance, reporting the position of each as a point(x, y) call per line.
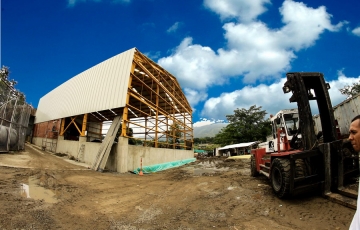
point(126, 109)
point(157, 116)
point(84, 125)
point(62, 127)
point(72, 122)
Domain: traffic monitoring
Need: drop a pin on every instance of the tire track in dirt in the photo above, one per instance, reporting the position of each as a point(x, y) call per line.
point(172, 199)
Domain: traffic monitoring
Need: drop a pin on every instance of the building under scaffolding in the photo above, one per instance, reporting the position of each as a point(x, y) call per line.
point(155, 112)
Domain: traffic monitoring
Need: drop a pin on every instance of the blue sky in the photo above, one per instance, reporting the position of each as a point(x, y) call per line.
point(226, 54)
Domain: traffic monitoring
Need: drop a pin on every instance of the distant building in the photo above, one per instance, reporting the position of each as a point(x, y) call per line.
point(236, 149)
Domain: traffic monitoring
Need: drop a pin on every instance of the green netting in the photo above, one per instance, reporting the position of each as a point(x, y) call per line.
point(163, 166)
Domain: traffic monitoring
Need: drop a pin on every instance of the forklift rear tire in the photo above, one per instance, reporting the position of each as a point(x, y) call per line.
point(253, 169)
point(280, 177)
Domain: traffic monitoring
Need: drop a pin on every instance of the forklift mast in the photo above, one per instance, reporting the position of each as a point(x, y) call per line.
point(310, 164)
point(306, 86)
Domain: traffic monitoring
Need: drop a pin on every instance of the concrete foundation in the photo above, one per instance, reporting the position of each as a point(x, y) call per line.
point(123, 157)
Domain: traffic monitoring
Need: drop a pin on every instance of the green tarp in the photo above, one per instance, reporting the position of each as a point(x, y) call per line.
point(199, 151)
point(163, 166)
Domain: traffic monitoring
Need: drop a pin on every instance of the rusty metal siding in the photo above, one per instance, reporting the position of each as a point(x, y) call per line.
point(101, 87)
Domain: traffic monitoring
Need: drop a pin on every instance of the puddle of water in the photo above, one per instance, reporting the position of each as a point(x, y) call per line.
point(199, 172)
point(208, 164)
point(34, 191)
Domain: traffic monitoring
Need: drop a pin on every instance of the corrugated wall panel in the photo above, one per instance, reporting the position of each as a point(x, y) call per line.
point(343, 113)
point(346, 111)
point(101, 87)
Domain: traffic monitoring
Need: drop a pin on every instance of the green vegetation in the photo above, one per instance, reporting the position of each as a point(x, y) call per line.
point(203, 140)
point(245, 125)
point(175, 133)
point(8, 92)
point(205, 143)
point(129, 133)
point(350, 91)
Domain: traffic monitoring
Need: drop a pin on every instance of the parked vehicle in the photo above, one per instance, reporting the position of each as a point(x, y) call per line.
point(302, 157)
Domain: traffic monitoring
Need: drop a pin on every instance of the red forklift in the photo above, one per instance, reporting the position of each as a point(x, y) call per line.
point(296, 159)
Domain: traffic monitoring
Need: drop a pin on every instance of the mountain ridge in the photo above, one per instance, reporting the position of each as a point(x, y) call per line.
point(208, 130)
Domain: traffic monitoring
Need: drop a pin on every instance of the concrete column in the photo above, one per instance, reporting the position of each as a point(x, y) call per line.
point(82, 139)
point(122, 155)
point(59, 139)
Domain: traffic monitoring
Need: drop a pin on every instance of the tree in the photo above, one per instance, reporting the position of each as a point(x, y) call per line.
point(175, 133)
point(245, 125)
point(203, 140)
point(351, 91)
point(129, 133)
point(7, 90)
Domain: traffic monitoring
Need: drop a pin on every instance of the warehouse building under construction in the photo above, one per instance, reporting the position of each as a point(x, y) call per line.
point(117, 113)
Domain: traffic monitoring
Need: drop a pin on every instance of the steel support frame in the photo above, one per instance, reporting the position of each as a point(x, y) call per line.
point(155, 104)
point(164, 107)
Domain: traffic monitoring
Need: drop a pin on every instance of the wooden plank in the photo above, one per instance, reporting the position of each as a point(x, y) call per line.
point(343, 200)
point(106, 145)
point(108, 149)
point(106, 155)
point(348, 192)
point(108, 141)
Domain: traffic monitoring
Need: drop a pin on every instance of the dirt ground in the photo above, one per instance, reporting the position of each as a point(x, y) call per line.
point(207, 194)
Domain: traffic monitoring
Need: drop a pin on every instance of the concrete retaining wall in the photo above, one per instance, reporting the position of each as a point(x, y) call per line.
point(152, 156)
point(123, 157)
point(37, 141)
point(68, 147)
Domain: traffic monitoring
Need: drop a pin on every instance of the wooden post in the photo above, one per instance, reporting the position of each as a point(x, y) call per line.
point(83, 129)
point(125, 113)
point(62, 126)
point(157, 116)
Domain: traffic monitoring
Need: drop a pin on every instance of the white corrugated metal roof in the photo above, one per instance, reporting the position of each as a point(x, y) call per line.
point(101, 87)
point(240, 145)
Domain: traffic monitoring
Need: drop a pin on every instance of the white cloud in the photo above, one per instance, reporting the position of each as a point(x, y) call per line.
point(194, 96)
point(254, 52)
point(243, 10)
point(335, 95)
point(174, 27)
point(153, 55)
point(205, 121)
point(192, 64)
point(121, 1)
point(305, 24)
point(72, 3)
point(356, 31)
point(271, 98)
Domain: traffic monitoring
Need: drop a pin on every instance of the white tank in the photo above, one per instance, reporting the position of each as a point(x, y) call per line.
point(4, 135)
